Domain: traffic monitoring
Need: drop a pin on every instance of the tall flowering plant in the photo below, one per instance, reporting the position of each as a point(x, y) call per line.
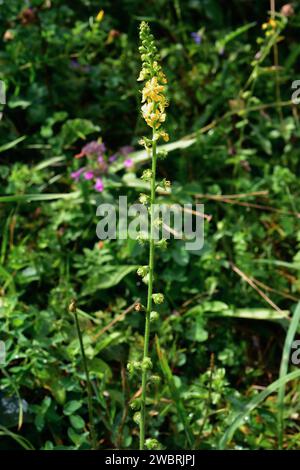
point(154, 105)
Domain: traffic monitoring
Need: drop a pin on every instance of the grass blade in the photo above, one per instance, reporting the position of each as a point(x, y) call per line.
point(283, 371)
point(19, 439)
point(37, 197)
point(238, 420)
point(12, 144)
point(174, 393)
point(49, 162)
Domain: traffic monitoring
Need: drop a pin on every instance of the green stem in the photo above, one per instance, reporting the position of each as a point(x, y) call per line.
point(88, 382)
point(149, 297)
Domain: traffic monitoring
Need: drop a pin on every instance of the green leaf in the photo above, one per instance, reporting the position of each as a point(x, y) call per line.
point(19, 439)
point(220, 309)
point(38, 197)
point(109, 276)
point(77, 422)
point(75, 129)
point(58, 392)
point(99, 368)
point(197, 332)
point(12, 144)
point(114, 275)
point(175, 394)
point(71, 407)
point(233, 35)
point(12, 104)
point(77, 439)
point(49, 162)
point(238, 420)
point(113, 338)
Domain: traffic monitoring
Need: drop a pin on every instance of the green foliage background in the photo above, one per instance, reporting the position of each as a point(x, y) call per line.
point(71, 80)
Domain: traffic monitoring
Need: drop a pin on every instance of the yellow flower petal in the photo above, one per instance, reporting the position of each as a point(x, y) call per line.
point(100, 16)
point(165, 136)
point(152, 89)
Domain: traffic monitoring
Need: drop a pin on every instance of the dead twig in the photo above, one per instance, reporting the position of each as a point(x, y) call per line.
point(255, 287)
point(116, 320)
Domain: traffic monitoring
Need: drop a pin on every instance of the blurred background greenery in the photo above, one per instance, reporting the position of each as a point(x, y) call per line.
point(72, 79)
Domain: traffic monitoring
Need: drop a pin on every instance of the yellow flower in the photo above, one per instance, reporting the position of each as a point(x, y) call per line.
point(162, 77)
point(147, 108)
point(165, 136)
point(153, 94)
point(141, 77)
point(100, 16)
point(153, 117)
point(152, 89)
point(148, 113)
point(270, 24)
point(161, 117)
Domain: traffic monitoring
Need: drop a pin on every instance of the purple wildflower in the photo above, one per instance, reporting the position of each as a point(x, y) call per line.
point(75, 65)
point(99, 185)
point(75, 175)
point(113, 158)
point(125, 150)
point(88, 175)
point(128, 163)
point(196, 37)
point(100, 159)
point(93, 147)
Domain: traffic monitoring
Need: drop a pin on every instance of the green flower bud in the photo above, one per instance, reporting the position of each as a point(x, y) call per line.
point(158, 298)
point(134, 366)
point(166, 184)
point(147, 175)
point(143, 270)
point(147, 363)
point(162, 154)
point(155, 379)
point(152, 444)
point(135, 404)
point(144, 199)
point(154, 316)
point(142, 238)
point(137, 417)
point(162, 244)
point(145, 142)
point(157, 222)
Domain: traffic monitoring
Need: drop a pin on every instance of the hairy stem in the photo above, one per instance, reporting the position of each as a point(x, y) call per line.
point(88, 383)
point(149, 297)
